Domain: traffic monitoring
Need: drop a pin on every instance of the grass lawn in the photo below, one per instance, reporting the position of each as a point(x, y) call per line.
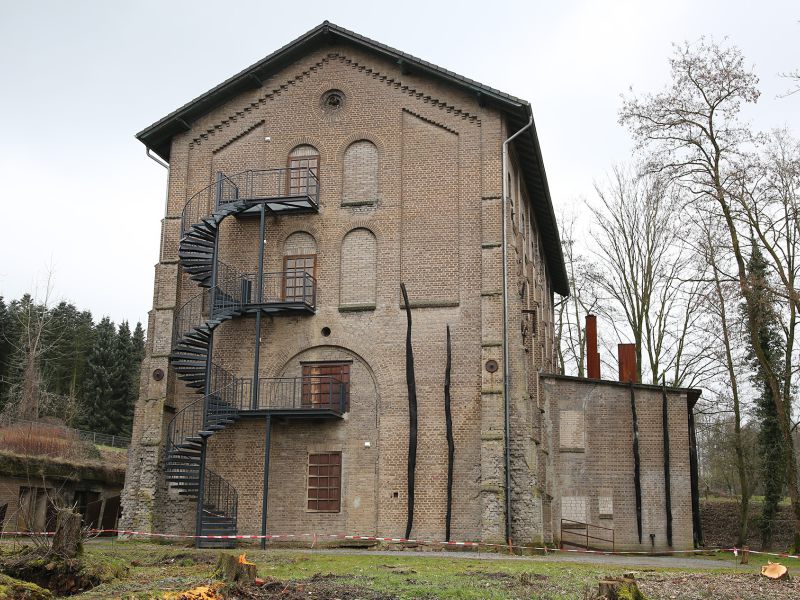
point(155, 569)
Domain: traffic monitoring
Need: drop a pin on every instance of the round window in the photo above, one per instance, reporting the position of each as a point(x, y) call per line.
point(332, 101)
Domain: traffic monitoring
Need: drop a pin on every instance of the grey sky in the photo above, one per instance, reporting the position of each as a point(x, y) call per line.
point(79, 79)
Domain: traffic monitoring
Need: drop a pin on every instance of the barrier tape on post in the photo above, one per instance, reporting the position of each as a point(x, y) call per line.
point(315, 537)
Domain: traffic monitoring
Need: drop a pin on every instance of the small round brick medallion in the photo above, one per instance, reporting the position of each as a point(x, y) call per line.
point(491, 366)
point(158, 374)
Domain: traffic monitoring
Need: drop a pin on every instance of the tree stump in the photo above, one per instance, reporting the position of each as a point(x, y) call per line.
point(67, 540)
point(235, 569)
point(620, 588)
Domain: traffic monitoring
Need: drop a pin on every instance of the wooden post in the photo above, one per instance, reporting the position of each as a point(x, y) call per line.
point(745, 555)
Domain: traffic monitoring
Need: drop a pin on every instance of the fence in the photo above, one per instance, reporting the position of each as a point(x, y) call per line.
point(94, 437)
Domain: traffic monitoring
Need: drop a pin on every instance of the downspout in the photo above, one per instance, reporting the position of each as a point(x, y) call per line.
point(164, 164)
point(506, 401)
point(157, 160)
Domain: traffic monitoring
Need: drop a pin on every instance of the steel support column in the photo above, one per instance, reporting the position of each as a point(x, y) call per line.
point(259, 300)
point(265, 497)
point(200, 493)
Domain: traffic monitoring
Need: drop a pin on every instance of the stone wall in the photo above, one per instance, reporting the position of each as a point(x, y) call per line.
point(591, 460)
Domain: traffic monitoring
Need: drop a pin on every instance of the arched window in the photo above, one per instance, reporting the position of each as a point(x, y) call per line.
point(359, 268)
point(299, 268)
point(303, 176)
point(360, 177)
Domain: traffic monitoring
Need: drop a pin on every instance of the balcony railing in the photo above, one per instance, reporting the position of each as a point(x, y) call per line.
point(286, 189)
point(282, 288)
point(307, 392)
point(269, 184)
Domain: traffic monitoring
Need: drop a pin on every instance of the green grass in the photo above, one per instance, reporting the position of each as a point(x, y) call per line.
point(755, 560)
point(156, 568)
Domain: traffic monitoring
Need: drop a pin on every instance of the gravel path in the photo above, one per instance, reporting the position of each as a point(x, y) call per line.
point(670, 562)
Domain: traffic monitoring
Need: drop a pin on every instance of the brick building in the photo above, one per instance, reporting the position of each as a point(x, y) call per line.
point(302, 192)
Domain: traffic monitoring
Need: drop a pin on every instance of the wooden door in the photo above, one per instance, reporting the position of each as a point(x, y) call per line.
point(324, 384)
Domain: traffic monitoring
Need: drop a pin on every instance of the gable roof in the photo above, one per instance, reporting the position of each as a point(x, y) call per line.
point(158, 136)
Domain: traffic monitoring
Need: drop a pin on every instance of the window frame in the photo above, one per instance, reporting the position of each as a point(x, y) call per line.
point(302, 189)
point(314, 461)
point(307, 295)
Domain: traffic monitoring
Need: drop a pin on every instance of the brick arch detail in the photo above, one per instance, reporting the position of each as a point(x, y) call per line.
point(286, 358)
point(310, 230)
point(366, 136)
point(380, 370)
point(286, 148)
point(299, 233)
point(363, 223)
point(313, 69)
point(360, 287)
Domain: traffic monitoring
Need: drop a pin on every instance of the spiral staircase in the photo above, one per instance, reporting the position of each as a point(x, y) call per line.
point(225, 294)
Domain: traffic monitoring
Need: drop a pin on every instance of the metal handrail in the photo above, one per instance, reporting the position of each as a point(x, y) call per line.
point(307, 392)
point(252, 185)
point(585, 537)
point(190, 315)
point(283, 287)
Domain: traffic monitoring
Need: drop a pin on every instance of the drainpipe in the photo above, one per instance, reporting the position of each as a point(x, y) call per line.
point(155, 159)
point(506, 401)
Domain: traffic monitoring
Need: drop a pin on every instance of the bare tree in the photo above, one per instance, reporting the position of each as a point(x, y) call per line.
point(648, 276)
point(34, 322)
point(693, 134)
point(711, 243)
point(572, 310)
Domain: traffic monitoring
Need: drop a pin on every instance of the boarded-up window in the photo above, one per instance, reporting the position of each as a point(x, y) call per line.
point(571, 430)
point(326, 385)
point(360, 177)
point(325, 481)
point(359, 266)
point(574, 508)
point(605, 507)
point(303, 174)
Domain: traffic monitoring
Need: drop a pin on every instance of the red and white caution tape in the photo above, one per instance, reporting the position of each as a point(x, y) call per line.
point(315, 537)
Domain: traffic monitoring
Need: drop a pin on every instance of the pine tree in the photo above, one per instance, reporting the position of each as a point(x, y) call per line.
point(100, 383)
point(69, 343)
point(5, 350)
point(771, 448)
point(124, 356)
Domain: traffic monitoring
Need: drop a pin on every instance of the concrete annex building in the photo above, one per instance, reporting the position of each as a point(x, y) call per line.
point(302, 192)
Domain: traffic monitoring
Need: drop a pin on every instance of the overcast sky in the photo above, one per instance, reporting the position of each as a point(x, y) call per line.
point(79, 79)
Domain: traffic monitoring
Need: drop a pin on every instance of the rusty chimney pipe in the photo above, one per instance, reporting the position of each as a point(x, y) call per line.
point(627, 363)
point(592, 355)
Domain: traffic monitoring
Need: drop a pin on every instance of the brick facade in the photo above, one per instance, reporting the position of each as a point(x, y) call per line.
point(410, 191)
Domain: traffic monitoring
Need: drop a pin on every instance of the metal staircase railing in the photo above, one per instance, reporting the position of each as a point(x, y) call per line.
point(586, 535)
point(228, 292)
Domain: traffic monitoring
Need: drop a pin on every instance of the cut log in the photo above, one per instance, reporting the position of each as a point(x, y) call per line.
point(235, 569)
point(67, 539)
point(775, 571)
point(620, 589)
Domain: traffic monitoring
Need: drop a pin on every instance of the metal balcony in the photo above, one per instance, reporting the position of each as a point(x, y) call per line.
point(306, 396)
point(290, 189)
